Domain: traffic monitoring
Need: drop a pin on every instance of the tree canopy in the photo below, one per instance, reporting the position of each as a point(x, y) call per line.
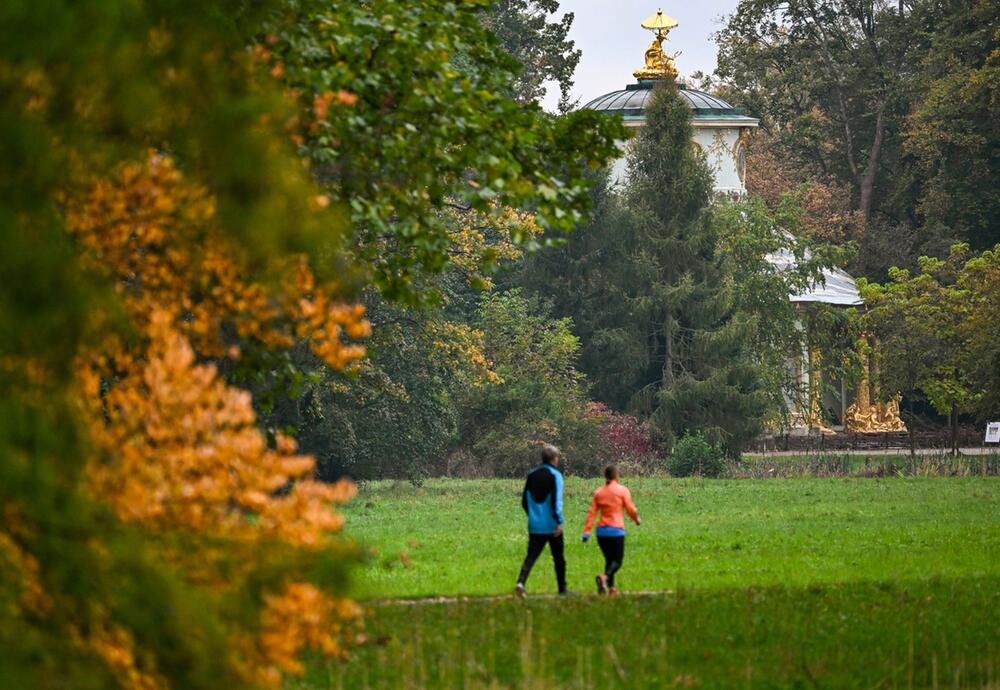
point(888, 101)
point(436, 64)
point(935, 338)
point(540, 46)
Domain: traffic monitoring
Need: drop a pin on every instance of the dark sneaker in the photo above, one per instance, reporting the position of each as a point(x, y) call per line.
point(519, 590)
point(602, 584)
point(566, 593)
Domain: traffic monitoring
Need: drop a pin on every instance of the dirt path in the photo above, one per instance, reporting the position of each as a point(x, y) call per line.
point(982, 450)
point(423, 601)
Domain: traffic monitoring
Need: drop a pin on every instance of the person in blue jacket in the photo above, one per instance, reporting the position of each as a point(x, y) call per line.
point(542, 500)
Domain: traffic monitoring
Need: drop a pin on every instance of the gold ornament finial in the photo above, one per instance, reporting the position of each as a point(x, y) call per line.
point(659, 65)
point(659, 22)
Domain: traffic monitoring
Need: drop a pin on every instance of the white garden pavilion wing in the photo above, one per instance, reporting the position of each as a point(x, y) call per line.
point(837, 286)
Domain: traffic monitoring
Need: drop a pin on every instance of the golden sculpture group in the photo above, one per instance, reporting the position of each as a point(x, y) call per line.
point(869, 414)
point(659, 65)
point(865, 416)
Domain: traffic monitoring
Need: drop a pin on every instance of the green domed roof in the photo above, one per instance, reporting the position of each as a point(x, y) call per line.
point(631, 102)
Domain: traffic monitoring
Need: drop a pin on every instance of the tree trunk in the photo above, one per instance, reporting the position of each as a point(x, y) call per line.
point(913, 436)
point(867, 182)
point(668, 355)
point(953, 418)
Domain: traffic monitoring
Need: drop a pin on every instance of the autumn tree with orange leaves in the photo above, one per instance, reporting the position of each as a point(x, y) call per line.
point(188, 194)
point(153, 535)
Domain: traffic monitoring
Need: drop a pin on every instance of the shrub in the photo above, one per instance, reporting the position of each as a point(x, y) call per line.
point(694, 456)
point(624, 440)
point(538, 396)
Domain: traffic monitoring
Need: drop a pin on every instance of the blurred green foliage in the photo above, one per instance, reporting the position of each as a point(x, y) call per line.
point(85, 86)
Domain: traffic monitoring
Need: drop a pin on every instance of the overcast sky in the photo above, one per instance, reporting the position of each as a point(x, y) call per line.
point(613, 43)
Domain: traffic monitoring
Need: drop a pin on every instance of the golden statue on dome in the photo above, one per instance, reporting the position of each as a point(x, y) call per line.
point(659, 65)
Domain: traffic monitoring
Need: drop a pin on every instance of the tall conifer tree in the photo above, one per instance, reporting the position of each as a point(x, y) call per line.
point(653, 297)
point(678, 285)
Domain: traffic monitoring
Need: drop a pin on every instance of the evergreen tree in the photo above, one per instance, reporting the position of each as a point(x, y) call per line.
point(653, 297)
point(680, 289)
point(577, 277)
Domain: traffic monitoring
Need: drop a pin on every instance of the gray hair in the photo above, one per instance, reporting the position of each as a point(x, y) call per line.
point(549, 453)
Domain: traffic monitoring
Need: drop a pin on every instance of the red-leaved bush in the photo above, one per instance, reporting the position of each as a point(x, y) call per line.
point(626, 440)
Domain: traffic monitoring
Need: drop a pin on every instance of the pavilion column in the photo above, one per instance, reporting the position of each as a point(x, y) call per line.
point(816, 391)
point(804, 386)
point(859, 417)
point(843, 402)
point(876, 394)
point(863, 398)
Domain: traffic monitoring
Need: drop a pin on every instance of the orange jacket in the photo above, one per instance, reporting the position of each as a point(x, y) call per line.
point(611, 500)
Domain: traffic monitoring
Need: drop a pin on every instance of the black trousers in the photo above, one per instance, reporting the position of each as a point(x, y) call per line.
point(536, 544)
point(613, 549)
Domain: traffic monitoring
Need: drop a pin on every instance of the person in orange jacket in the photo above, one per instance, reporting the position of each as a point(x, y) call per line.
point(612, 500)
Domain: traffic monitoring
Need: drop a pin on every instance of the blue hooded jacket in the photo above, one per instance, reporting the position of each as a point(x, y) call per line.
point(542, 499)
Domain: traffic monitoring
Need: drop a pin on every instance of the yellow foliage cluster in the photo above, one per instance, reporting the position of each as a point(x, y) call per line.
point(150, 230)
point(116, 647)
point(476, 239)
point(182, 450)
point(300, 617)
point(178, 450)
point(496, 235)
point(22, 568)
point(461, 342)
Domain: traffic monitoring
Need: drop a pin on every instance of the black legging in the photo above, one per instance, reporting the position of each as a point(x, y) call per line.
point(613, 549)
point(536, 544)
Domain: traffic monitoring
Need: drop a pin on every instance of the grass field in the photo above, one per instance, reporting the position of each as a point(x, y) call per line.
point(467, 537)
point(781, 583)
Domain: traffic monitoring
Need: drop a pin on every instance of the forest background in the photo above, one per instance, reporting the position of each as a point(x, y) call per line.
point(878, 145)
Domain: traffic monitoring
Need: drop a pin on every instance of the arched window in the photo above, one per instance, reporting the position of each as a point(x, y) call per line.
point(740, 156)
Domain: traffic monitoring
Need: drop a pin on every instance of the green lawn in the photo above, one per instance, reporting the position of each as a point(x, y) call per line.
point(859, 583)
point(864, 635)
point(468, 537)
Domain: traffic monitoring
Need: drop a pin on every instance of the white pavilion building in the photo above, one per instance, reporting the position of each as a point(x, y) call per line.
point(720, 129)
